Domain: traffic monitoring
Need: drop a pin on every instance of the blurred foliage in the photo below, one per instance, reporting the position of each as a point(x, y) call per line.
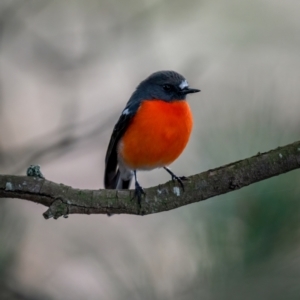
point(11, 233)
point(251, 240)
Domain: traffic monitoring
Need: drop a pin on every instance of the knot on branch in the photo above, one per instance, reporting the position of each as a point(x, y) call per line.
point(234, 183)
point(57, 209)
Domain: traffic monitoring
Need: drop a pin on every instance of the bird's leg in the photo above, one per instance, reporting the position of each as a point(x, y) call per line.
point(139, 191)
point(174, 177)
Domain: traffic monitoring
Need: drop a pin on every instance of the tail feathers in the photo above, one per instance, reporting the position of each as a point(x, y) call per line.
point(115, 182)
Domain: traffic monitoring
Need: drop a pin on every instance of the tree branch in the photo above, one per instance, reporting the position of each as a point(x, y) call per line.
point(63, 200)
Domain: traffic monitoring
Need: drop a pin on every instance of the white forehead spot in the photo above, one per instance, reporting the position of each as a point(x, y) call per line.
point(126, 112)
point(183, 84)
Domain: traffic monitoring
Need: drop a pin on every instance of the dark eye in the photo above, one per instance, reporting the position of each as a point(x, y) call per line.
point(167, 87)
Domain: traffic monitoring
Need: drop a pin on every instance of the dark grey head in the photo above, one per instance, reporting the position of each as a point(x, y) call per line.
point(164, 85)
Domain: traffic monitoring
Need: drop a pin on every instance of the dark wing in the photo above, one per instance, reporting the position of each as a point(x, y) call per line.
point(111, 173)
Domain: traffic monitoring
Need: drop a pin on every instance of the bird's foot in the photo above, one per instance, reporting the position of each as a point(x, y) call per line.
point(174, 177)
point(179, 179)
point(138, 192)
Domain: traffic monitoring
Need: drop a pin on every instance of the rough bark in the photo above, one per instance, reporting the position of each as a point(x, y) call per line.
point(63, 200)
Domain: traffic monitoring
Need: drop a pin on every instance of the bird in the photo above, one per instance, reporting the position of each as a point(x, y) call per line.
point(152, 131)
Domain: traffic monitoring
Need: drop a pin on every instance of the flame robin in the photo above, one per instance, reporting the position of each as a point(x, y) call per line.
point(151, 132)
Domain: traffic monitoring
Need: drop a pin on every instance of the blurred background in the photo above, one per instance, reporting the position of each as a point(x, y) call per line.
point(67, 68)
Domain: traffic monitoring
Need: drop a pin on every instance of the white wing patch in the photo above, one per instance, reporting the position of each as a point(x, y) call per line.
point(126, 112)
point(183, 84)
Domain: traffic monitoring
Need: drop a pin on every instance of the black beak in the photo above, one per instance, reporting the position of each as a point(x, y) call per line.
point(188, 90)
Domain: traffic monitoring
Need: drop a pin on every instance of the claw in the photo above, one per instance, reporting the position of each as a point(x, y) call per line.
point(179, 179)
point(139, 191)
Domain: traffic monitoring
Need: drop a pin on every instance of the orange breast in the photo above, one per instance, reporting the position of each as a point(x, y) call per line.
point(157, 134)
